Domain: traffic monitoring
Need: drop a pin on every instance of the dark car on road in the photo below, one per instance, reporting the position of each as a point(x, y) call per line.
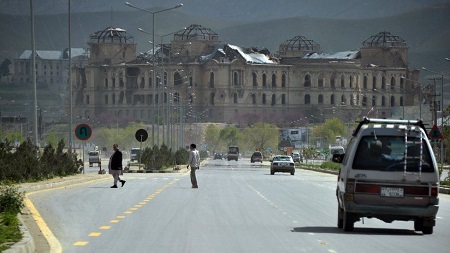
point(218, 156)
point(256, 157)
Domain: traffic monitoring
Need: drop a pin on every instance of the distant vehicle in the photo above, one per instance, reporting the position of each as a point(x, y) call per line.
point(256, 157)
point(282, 163)
point(94, 157)
point(233, 153)
point(335, 150)
point(297, 157)
point(218, 156)
point(134, 154)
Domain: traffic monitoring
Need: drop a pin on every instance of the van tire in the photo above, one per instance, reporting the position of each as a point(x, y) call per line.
point(427, 230)
point(418, 225)
point(348, 221)
point(340, 220)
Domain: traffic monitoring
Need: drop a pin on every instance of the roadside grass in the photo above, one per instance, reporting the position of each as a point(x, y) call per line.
point(9, 230)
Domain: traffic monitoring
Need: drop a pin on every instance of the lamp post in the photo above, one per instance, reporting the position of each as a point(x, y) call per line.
point(164, 84)
point(70, 84)
point(442, 110)
point(153, 60)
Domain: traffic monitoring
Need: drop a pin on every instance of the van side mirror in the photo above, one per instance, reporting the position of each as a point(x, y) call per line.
point(338, 158)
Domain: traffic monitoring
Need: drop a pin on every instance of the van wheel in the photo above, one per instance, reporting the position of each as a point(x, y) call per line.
point(348, 221)
point(427, 230)
point(418, 225)
point(340, 219)
point(292, 173)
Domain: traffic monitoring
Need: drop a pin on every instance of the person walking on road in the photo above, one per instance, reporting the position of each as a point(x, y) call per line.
point(194, 163)
point(115, 166)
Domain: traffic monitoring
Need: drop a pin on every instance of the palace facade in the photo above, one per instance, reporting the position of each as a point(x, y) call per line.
point(197, 78)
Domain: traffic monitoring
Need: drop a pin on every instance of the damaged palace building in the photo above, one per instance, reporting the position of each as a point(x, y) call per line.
point(197, 78)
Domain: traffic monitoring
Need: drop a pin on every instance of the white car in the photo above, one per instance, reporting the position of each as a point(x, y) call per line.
point(282, 163)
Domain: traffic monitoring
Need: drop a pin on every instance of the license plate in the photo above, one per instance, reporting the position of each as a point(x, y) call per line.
point(391, 192)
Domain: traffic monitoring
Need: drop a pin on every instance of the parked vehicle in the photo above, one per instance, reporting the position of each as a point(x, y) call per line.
point(134, 154)
point(233, 153)
point(339, 150)
point(297, 157)
point(282, 163)
point(257, 156)
point(389, 172)
point(94, 157)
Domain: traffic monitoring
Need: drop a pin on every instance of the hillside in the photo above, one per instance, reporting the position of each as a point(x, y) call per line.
point(237, 10)
point(426, 31)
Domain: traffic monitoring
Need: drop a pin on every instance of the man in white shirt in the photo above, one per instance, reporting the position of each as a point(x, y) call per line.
point(194, 163)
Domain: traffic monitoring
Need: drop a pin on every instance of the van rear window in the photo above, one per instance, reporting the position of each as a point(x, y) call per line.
point(387, 153)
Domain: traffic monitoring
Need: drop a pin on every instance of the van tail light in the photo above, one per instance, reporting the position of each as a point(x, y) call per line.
point(367, 188)
point(350, 186)
point(434, 191)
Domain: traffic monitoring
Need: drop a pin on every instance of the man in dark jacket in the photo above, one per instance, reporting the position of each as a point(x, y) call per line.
point(115, 166)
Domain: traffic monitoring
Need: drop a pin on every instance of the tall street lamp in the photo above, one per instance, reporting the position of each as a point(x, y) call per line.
point(33, 68)
point(165, 82)
point(153, 60)
point(442, 109)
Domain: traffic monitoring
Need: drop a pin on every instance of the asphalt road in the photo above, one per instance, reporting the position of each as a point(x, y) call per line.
point(238, 207)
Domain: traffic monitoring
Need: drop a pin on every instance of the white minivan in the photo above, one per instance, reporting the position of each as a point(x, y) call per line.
point(389, 172)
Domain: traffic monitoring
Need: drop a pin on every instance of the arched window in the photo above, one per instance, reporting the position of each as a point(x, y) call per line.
point(264, 80)
point(374, 101)
point(383, 101)
point(211, 99)
point(402, 83)
point(332, 99)
point(320, 80)
point(365, 82)
point(283, 80)
point(165, 98)
point(264, 99)
point(177, 80)
point(165, 79)
point(211, 80)
point(307, 81)
point(235, 98)
point(332, 81)
point(343, 100)
point(351, 81)
point(274, 100)
point(401, 101)
point(255, 80)
point(274, 81)
point(392, 101)
point(320, 99)
point(307, 99)
point(383, 83)
point(254, 99)
point(142, 84)
point(392, 83)
point(283, 99)
point(236, 78)
point(374, 83)
point(364, 102)
point(342, 81)
point(113, 98)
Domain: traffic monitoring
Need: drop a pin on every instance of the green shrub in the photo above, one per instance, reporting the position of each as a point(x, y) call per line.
point(11, 200)
point(9, 230)
point(330, 165)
